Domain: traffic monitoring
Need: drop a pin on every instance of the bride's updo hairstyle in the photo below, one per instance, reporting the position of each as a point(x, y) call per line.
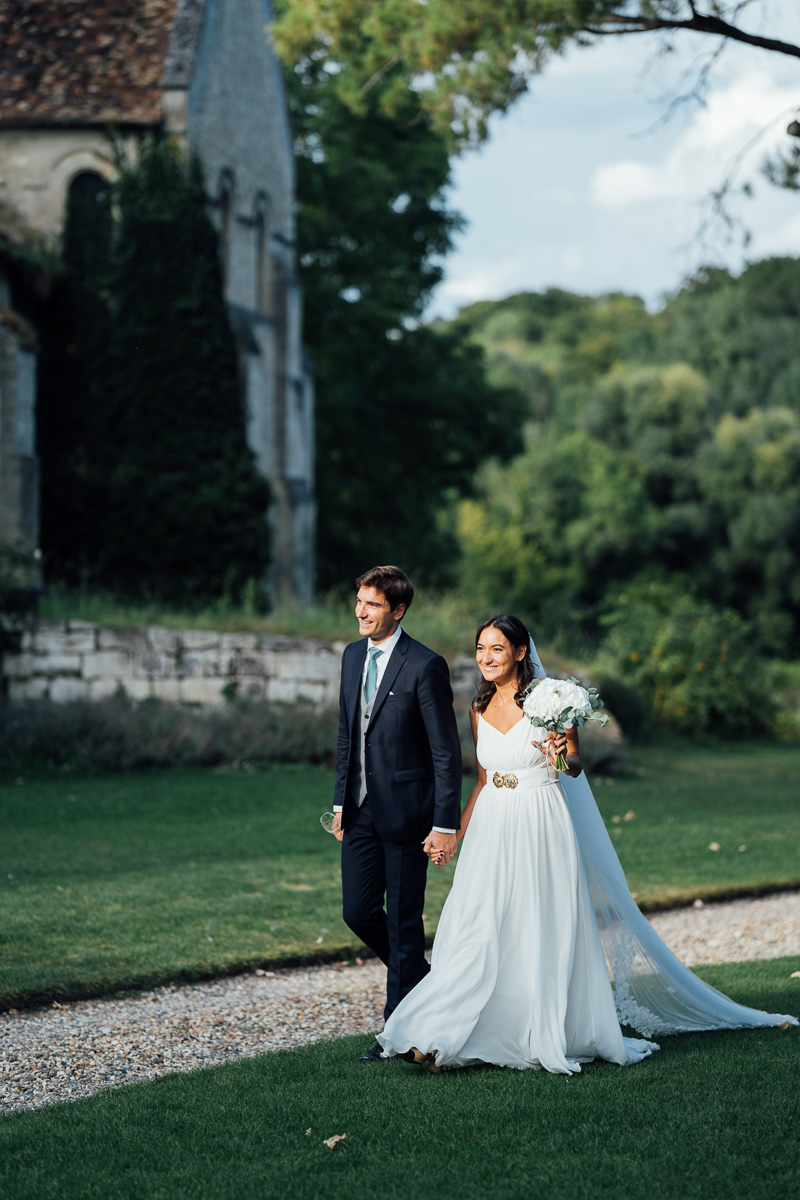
point(513, 629)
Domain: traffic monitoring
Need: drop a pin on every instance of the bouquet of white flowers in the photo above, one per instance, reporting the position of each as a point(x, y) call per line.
point(556, 705)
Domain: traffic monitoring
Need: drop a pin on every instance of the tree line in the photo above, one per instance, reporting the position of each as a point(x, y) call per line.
point(661, 449)
point(652, 514)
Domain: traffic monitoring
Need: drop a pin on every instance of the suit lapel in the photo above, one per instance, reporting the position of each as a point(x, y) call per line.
point(353, 683)
point(390, 674)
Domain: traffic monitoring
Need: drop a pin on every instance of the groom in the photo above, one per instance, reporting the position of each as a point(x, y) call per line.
point(398, 780)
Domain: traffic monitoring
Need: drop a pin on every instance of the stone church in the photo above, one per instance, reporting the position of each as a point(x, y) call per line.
point(204, 72)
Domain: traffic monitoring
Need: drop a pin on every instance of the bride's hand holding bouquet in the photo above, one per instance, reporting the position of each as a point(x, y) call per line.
point(554, 706)
point(556, 749)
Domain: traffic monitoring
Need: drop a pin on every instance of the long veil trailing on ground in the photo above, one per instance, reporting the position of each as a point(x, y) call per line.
point(654, 992)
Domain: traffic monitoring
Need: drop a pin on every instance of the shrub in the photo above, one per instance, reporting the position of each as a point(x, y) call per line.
point(626, 703)
point(120, 735)
point(698, 667)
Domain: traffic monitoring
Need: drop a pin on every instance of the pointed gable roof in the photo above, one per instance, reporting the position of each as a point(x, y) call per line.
point(93, 62)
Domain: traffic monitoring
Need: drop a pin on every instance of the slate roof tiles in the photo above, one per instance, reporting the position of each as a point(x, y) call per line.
point(83, 61)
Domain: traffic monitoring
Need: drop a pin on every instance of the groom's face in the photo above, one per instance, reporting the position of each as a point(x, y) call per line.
point(376, 619)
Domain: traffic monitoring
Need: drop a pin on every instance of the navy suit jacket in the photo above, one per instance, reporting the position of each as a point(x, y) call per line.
point(412, 755)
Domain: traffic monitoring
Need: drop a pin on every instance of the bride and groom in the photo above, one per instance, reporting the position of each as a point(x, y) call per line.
point(541, 952)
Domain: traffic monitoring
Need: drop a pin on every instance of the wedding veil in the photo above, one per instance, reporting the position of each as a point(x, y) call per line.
point(654, 992)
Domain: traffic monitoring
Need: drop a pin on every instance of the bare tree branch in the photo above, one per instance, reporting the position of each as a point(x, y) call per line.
point(617, 24)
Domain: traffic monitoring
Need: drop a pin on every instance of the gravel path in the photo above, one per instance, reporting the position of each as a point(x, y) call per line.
point(77, 1049)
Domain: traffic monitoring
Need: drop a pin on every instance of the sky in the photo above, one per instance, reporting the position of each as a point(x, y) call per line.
point(583, 185)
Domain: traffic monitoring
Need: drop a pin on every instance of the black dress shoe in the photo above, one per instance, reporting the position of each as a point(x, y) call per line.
point(374, 1055)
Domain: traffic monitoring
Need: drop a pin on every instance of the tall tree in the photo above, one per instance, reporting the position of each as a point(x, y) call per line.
point(76, 323)
point(149, 486)
point(404, 415)
point(750, 478)
point(550, 533)
point(188, 500)
point(740, 332)
point(475, 57)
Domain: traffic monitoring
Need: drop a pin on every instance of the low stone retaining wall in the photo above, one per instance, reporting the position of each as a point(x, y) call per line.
point(69, 660)
point(76, 660)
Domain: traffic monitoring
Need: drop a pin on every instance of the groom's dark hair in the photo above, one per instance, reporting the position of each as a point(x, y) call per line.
point(394, 583)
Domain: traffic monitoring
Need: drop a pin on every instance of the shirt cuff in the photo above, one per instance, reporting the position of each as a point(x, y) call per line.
point(338, 808)
point(438, 829)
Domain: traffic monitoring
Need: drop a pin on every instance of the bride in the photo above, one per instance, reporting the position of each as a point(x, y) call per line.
point(541, 951)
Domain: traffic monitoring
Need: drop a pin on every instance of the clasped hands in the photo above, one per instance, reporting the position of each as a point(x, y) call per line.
point(440, 847)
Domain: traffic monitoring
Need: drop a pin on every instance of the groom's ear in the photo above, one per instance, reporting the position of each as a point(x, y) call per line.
point(399, 612)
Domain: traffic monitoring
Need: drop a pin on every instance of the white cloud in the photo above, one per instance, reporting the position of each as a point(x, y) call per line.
point(785, 239)
point(484, 282)
point(701, 157)
point(550, 199)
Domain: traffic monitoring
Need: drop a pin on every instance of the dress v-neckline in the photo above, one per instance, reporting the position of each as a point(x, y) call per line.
point(494, 727)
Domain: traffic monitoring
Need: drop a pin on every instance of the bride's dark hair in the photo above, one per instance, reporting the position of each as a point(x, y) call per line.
point(513, 629)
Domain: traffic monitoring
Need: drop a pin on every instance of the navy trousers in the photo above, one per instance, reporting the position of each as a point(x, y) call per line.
point(374, 870)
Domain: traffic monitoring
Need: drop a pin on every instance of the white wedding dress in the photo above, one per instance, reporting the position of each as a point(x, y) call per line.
point(539, 954)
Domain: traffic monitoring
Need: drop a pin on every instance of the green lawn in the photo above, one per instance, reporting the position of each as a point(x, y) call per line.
point(685, 797)
point(710, 1117)
point(112, 882)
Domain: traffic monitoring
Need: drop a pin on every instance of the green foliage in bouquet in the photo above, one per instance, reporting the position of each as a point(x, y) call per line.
point(697, 667)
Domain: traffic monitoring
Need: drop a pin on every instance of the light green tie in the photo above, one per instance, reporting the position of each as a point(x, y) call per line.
point(371, 681)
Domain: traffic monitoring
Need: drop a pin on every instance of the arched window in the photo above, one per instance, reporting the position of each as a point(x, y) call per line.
point(87, 228)
point(225, 208)
point(263, 261)
point(91, 191)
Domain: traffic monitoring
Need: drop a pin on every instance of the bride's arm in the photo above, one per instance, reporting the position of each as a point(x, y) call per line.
point(479, 786)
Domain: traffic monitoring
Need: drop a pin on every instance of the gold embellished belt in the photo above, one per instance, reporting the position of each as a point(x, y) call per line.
point(510, 780)
point(524, 777)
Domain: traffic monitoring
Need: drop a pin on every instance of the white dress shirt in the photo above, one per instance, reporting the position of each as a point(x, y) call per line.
point(386, 646)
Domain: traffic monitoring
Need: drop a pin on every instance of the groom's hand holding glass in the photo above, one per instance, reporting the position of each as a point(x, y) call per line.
point(336, 826)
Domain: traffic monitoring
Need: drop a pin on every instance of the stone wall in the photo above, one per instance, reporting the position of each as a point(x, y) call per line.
point(37, 165)
point(68, 660)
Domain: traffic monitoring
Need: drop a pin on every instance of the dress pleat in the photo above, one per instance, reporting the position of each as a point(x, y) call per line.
point(518, 974)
